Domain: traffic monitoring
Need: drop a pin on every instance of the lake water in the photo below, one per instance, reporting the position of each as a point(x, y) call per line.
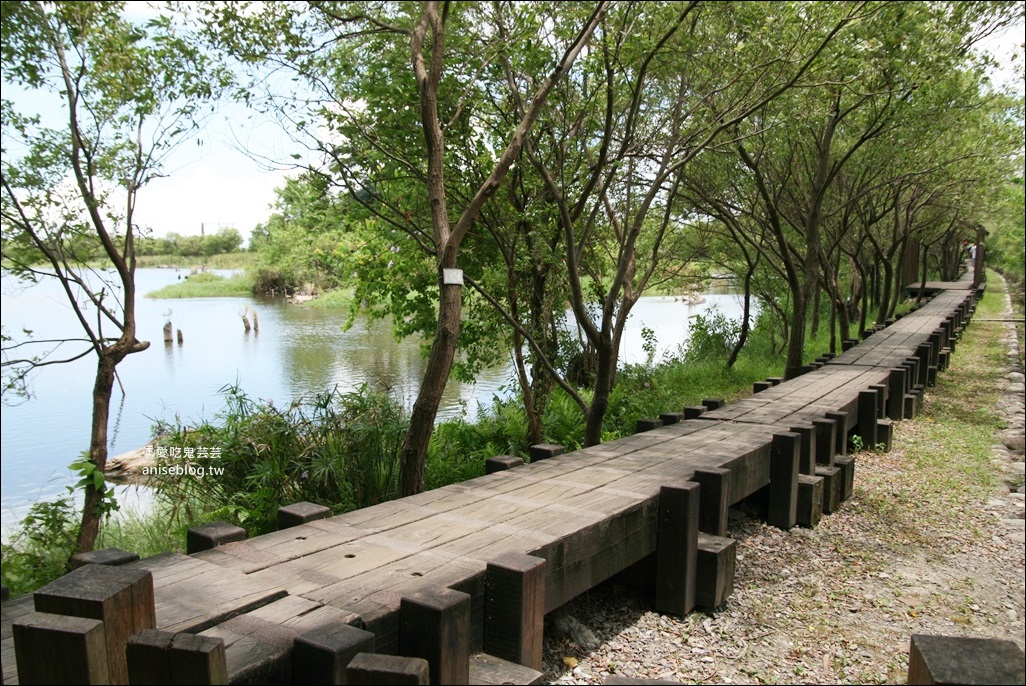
point(299, 351)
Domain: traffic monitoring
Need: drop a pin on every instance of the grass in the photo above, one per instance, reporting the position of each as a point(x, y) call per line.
point(207, 285)
point(941, 466)
point(230, 260)
point(338, 298)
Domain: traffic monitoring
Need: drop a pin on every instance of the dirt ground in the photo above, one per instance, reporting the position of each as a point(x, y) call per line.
point(910, 553)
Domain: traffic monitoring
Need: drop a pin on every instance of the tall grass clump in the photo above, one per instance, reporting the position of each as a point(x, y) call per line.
point(339, 450)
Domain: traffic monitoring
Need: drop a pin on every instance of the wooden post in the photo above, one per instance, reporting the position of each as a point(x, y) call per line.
point(840, 420)
point(961, 660)
point(810, 500)
point(693, 411)
point(714, 403)
point(120, 597)
point(714, 501)
point(846, 463)
point(168, 337)
point(807, 448)
point(760, 386)
point(783, 486)
point(714, 579)
point(301, 513)
point(113, 557)
point(387, 670)
point(832, 487)
point(923, 352)
point(867, 418)
point(677, 547)
point(671, 418)
point(435, 626)
point(881, 399)
point(51, 649)
point(775, 380)
point(181, 338)
point(543, 451)
point(197, 660)
point(146, 654)
point(515, 609)
point(896, 394)
point(321, 655)
point(826, 439)
point(500, 463)
point(643, 425)
point(212, 535)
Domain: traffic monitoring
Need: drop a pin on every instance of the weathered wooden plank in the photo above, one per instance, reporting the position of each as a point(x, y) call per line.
point(191, 595)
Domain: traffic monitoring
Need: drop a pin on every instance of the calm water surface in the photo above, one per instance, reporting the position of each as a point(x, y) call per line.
point(299, 351)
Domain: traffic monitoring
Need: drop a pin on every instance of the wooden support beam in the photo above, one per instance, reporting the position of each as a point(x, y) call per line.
point(867, 418)
point(714, 501)
point(846, 463)
point(807, 447)
point(832, 487)
point(783, 486)
point(435, 625)
point(671, 418)
point(212, 535)
point(643, 425)
point(714, 579)
point(810, 500)
point(826, 440)
point(301, 513)
point(543, 451)
point(321, 655)
point(388, 670)
point(501, 463)
point(881, 399)
point(760, 386)
point(197, 660)
point(714, 403)
point(51, 649)
point(963, 660)
point(693, 411)
point(120, 597)
point(515, 609)
point(677, 547)
point(896, 394)
point(112, 557)
point(840, 420)
point(146, 655)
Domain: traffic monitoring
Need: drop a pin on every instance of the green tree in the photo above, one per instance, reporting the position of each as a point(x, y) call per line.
point(126, 95)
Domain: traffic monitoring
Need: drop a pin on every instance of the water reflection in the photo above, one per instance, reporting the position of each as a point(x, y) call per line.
point(299, 351)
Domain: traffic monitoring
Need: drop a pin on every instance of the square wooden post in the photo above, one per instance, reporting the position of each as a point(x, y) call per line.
point(783, 486)
point(826, 439)
point(714, 501)
point(51, 649)
point(435, 626)
point(388, 670)
point(867, 418)
point(807, 448)
point(515, 609)
point(120, 597)
point(677, 548)
point(321, 655)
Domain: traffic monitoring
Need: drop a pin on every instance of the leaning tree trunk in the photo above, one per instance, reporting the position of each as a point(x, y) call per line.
point(92, 510)
point(422, 419)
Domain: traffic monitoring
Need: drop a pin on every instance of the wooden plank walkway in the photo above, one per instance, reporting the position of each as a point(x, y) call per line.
point(588, 515)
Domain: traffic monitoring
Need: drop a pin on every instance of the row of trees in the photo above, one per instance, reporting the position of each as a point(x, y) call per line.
point(826, 153)
point(223, 241)
point(486, 167)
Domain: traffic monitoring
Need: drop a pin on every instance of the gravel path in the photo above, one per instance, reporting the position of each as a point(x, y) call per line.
point(839, 603)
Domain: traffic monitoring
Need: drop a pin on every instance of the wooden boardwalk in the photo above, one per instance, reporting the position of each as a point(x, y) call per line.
point(467, 571)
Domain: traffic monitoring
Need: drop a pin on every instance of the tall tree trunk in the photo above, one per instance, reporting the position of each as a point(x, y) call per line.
point(92, 510)
point(746, 314)
point(605, 375)
point(436, 374)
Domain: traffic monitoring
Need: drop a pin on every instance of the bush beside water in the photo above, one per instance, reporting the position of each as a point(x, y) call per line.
point(342, 450)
